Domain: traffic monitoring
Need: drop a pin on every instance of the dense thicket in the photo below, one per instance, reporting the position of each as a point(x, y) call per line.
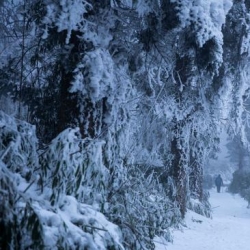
point(128, 99)
point(237, 69)
point(241, 184)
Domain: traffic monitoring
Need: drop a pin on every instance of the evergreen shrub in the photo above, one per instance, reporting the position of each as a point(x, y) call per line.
point(241, 184)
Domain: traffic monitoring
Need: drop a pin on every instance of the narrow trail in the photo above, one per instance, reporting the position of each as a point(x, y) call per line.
point(229, 229)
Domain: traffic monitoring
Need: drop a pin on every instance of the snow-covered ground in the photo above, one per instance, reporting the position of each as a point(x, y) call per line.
point(228, 230)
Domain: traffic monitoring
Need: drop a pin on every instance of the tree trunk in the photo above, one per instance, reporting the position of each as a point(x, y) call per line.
point(196, 178)
point(179, 169)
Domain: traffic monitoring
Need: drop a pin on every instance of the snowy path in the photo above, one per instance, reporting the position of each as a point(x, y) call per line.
point(228, 230)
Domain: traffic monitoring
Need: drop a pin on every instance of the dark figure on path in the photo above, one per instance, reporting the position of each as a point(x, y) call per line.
point(218, 183)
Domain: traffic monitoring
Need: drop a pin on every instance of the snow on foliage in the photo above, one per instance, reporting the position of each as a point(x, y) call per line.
point(135, 77)
point(77, 160)
point(65, 15)
point(18, 144)
point(99, 82)
point(205, 19)
point(77, 225)
point(199, 207)
point(42, 213)
point(141, 207)
point(245, 26)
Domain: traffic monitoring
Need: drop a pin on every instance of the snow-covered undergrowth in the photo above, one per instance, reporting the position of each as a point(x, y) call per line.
point(38, 208)
point(142, 209)
point(227, 230)
point(64, 197)
point(202, 208)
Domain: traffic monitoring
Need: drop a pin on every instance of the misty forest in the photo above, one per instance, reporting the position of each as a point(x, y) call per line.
point(111, 118)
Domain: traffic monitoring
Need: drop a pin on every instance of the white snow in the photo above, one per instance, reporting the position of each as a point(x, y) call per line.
point(228, 229)
point(67, 16)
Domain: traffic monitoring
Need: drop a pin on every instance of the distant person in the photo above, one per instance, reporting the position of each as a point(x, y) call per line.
point(218, 183)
